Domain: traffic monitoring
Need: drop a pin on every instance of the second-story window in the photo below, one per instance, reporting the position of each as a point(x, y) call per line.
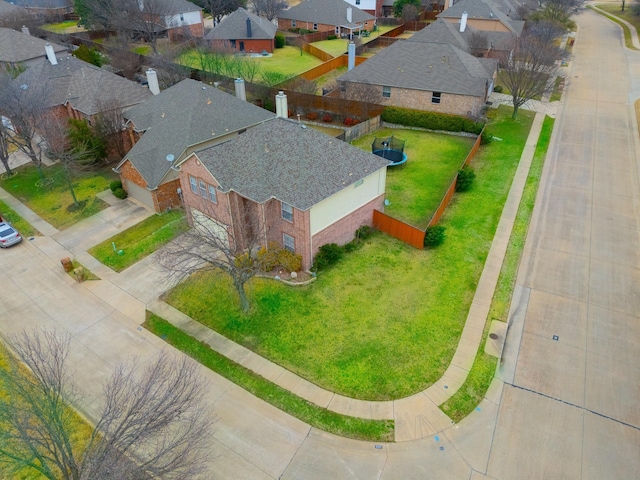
point(287, 212)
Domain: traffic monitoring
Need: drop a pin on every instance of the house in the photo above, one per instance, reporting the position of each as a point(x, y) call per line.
point(10, 12)
point(180, 18)
point(482, 15)
point(45, 8)
point(168, 127)
point(21, 49)
point(434, 76)
point(301, 187)
point(245, 32)
point(335, 16)
point(372, 7)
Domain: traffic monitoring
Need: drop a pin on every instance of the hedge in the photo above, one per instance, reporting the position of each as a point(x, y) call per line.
point(430, 120)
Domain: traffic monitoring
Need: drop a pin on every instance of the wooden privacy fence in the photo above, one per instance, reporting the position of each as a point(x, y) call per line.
point(398, 229)
point(316, 52)
point(328, 66)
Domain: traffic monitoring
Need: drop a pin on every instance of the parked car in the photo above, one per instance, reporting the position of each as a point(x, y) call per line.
point(8, 235)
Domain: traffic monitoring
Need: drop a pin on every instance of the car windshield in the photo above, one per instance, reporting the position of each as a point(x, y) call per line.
point(8, 231)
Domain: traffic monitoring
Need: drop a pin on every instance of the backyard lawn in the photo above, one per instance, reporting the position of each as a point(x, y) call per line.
point(385, 321)
point(52, 199)
point(70, 26)
point(415, 190)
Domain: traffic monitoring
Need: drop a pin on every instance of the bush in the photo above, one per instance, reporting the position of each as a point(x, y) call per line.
point(498, 89)
point(434, 236)
point(85, 142)
point(431, 120)
point(289, 260)
point(327, 255)
point(466, 176)
point(279, 40)
point(485, 137)
point(120, 193)
point(331, 37)
point(349, 121)
point(364, 232)
point(312, 116)
point(89, 55)
point(115, 185)
point(268, 256)
point(327, 118)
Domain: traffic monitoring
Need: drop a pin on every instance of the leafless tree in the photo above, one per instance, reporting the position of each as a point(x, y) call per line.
point(478, 41)
point(220, 8)
point(153, 424)
point(369, 95)
point(5, 134)
point(149, 19)
point(545, 31)
point(210, 245)
point(527, 72)
point(302, 85)
point(109, 124)
point(125, 62)
point(269, 9)
point(248, 69)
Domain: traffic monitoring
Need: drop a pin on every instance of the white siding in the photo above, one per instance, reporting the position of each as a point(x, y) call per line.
point(340, 204)
point(364, 4)
point(190, 18)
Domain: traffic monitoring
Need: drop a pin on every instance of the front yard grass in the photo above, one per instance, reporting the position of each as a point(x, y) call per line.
point(384, 323)
point(433, 160)
point(358, 428)
point(140, 240)
point(475, 386)
point(52, 200)
point(10, 215)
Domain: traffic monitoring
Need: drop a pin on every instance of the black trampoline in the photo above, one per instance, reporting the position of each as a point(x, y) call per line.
point(390, 148)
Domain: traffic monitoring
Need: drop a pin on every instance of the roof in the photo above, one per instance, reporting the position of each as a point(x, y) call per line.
point(182, 116)
point(7, 9)
point(19, 47)
point(482, 9)
point(430, 66)
point(326, 12)
point(173, 7)
point(234, 27)
point(84, 85)
point(43, 3)
point(443, 32)
point(259, 164)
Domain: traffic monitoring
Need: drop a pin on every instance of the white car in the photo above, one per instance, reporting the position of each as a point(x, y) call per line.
point(8, 235)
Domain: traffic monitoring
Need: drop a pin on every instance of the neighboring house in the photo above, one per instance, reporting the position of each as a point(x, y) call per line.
point(433, 76)
point(372, 7)
point(336, 16)
point(10, 12)
point(482, 15)
point(187, 116)
point(180, 18)
point(245, 32)
point(45, 7)
point(302, 187)
point(20, 48)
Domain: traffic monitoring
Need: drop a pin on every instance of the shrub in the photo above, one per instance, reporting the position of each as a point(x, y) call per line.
point(349, 121)
point(327, 255)
point(327, 118)
point(364, 232)
point(430, 120)
point(312, 116)
point(466, 176)
point(268, 256)
point(89, 55)
point(85, 143)
point(120, 193)
point(115, 185)
point(289, 260)
point(498, 89)
point(279, 40)
point(434, 236)
point(331, 37)
point(485, 137)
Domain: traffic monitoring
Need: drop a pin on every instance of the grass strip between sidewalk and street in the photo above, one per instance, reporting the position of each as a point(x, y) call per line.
point(351, 427)
point(8, 214)
point(471, 393)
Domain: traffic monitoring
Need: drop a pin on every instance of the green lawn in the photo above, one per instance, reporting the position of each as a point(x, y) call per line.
point(335, 47)
point(558, 86)
point(285, 62)
point(140, 240)
point(475, 386)
point(142, 50)
point(52, 200)
point(9, 215)
point(384, 322)
point(615, 13)
point(70, 26)
point(415, 190)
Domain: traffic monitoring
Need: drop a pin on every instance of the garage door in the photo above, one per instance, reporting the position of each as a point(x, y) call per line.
point(141, 194)
point(209, 226)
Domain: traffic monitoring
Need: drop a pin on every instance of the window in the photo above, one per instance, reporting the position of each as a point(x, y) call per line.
point(287, 212)
point(182, 17)
point(357, 2)
point(194, 184)
point(337, 30)
point(315, 26)
point(435, 97)
point(203, 190)
point(293, 24)
point(212, 194)
point(289, 242)
point(386, 92)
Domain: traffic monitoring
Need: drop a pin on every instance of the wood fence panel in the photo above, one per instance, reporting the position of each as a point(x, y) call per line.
point(402, 231)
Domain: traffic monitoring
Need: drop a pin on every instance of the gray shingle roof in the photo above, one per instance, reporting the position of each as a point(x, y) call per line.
point(9, 10)
point(43, 3)
point(281, 159)
point(429, 66)
point(234, 27)
point(443, 32)
point(482, 9)
point(326, 12)
point(173, 7)
point(19, 47)
point(86, 86)
point(185, 115)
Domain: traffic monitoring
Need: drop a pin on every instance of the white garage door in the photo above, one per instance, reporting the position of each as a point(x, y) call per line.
point(208, 226)
point(141, 194)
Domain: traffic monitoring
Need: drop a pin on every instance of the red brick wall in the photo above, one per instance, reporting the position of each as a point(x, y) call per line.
point(343, 231)
point(180, 33)
point(166, 196)
point(299, 229)
point(129, 172)
point(286, 24)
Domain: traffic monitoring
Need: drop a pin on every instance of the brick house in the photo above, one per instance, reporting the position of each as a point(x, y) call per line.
point(424, 75)
point(482, 15)
point(336, 16)
point(180, 18)
point(244, 32)
point(302, 187)
point(372, 7)
point(46, 8)
point(168, 127)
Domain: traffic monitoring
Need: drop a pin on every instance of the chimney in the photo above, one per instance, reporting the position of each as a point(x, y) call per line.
point(351, 50)
point(463, 22)
point(248, 28)
point(349, 14)
point(51, 55)
point(152, 80)
point(282, 110)
point(25, 30)
point(240, 91)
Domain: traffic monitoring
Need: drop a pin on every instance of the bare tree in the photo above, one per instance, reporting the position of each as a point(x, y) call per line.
point(369, 95)
point(478, 41)
point(528, 70)
point(109, 124)
point(409, 12)
point(303, 85)
point(5, 134)
point(154, 422)
point(210, 245)
point(220, 8)
point(269, 9)
point(149, 19)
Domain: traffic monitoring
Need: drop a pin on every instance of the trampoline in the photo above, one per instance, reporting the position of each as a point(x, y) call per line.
point(390, 148)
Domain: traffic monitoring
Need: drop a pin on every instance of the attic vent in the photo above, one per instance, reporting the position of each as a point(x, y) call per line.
point(240, 132)
point(204, 88)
